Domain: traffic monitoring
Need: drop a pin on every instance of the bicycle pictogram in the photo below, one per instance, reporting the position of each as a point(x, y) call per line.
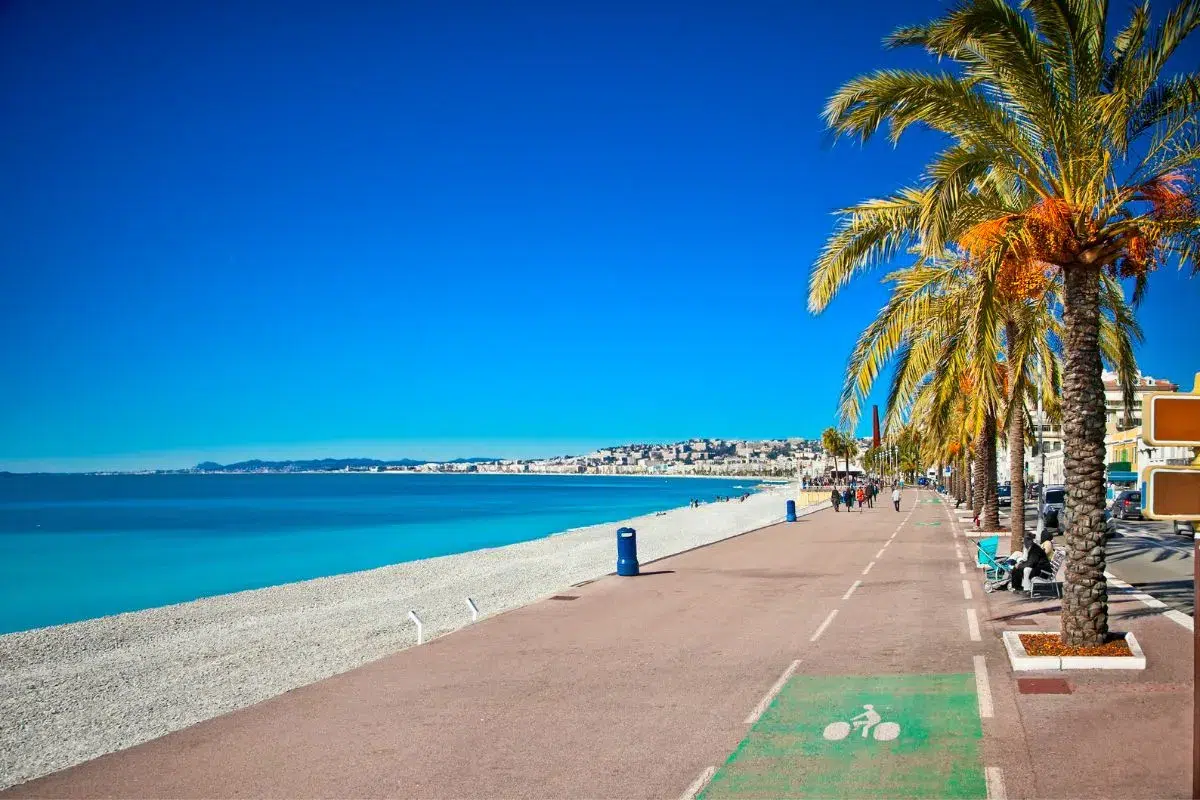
point(869, 721)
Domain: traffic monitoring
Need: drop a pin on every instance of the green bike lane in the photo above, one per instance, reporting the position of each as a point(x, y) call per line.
point(886, 701)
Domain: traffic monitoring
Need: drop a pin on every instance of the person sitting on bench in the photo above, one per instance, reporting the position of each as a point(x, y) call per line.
point(1032, 563)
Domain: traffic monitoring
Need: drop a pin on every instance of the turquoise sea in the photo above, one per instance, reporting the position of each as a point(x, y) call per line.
point(75, 547)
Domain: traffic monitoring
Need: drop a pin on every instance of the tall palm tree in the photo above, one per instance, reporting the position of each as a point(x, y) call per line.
point(949, 317)
point(839, 444)
point(1036, 104)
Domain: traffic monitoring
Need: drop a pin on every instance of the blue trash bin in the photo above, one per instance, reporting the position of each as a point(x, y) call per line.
point(627, 562)
point(791, 510)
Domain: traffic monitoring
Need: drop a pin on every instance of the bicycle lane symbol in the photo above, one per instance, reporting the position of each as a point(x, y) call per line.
point(861, 737)
point(869, 721)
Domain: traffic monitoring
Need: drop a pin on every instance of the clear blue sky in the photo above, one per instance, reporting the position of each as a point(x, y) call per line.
point(432, 229)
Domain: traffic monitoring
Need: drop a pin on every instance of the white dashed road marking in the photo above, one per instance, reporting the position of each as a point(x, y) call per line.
point(824, 625)
point(966, 589)
point(868, 569)
point(973, 625)
point(983, 688)
point(962, 568)
point(774, 690)
point(995, 784)
point(699, 783)
point(850, 591)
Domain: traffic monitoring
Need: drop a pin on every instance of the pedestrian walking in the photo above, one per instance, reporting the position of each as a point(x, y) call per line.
point(861, 497)
point(835, 497)
point(896, 497)
point(848, 499)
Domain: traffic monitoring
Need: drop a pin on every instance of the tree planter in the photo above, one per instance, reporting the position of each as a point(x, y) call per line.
point(1022, 660)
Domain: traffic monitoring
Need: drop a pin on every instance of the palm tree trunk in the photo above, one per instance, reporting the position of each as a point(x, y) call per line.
point(964, 478)
point(978, 479)
point(990, 520)
point(1016, 448)
point(1085, 591)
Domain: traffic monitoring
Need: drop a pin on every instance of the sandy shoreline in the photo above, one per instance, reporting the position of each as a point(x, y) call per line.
point(72, 692)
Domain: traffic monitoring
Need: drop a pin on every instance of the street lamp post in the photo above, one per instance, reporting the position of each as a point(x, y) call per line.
point(1041, 431)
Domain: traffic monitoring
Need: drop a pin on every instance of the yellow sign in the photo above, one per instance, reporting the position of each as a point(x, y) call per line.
point(1172, 419)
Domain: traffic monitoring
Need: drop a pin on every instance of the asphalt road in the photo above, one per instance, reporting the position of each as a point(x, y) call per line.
point(1149, 555)
point(1144, 553)
point(1154, 559)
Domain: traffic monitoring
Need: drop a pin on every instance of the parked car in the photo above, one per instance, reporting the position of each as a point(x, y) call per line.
point(1005, 495)
point(1184, 528)
point(1127, 505)
point(1053, 499)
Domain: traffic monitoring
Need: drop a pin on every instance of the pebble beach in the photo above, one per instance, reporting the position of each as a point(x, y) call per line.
point(70, 693)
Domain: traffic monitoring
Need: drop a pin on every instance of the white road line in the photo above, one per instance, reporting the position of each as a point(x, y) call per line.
point(966, 589)
point(958, 551)
point(868, 569)
point(824, 625)
point(973, 625)
point(995, 784)
point(774, 690)
point(1181, 618)
point(1178, 617)
point(982, 688)
point(962, 568)
point(879, 555)
point(699, 783)
point(850, 591)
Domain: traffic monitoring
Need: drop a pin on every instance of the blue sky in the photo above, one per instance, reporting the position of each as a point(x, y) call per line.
point(432, 229)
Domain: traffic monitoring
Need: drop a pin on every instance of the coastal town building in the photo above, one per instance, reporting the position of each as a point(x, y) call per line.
point(1123, 440)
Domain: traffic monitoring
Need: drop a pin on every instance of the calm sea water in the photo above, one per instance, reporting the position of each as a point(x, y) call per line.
point(75, 547)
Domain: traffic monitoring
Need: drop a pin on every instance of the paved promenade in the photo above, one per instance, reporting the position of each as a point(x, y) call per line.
point(845, 655)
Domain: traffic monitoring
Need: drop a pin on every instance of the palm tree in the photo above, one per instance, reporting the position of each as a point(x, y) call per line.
point(840, 444)
point(1037, 106)
point(945, 317)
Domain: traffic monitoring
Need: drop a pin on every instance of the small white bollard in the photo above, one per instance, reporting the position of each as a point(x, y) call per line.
point(420, 626)
point(474, 610)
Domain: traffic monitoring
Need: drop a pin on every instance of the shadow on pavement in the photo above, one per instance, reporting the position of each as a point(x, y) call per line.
point(1122, 548)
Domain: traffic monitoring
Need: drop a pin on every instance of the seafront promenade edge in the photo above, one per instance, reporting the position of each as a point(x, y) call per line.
point(163, 669)
point(726, 671)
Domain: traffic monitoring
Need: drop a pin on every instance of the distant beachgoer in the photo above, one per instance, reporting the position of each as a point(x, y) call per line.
point(835, 497)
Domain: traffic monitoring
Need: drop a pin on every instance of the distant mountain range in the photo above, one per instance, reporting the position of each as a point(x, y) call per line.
point(324, 464)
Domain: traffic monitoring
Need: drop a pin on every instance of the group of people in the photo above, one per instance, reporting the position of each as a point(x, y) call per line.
point(694, 503)
point(1031, 561)
point(862, 494)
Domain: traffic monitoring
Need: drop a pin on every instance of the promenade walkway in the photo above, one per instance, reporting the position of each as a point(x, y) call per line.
point(845, 655)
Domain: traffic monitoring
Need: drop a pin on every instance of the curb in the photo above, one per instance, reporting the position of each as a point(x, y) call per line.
point(1023, 662)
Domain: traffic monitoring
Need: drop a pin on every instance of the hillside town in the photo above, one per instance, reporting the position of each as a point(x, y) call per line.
point(793, 458)
point(725, 457)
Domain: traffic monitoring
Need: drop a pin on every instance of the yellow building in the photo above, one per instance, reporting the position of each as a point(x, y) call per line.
point(1123, 445)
